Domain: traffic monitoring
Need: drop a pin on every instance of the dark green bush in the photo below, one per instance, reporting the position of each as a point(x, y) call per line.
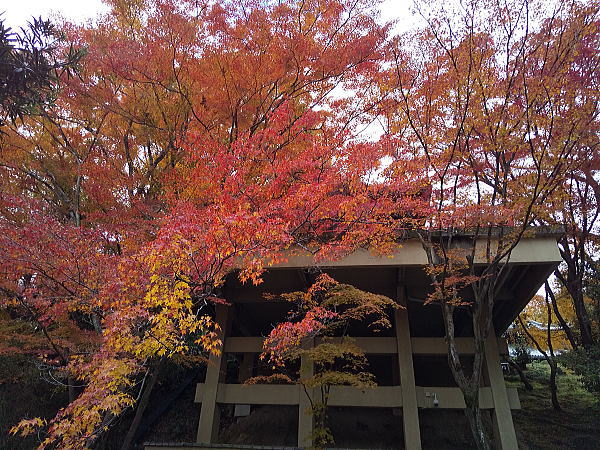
point(586, 364)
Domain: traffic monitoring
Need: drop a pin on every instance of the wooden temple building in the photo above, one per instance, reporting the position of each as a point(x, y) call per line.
point(415, 385)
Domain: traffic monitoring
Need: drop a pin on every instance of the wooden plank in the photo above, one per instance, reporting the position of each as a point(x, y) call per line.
point(208, 425)
point(452, 398)
point(503, 423)
point(410, 411)
point(378, 397)
point(513, 398)
point(540, 249)
point(438, 346)
point(259, 394)
point(370, 345)
point(255, 394)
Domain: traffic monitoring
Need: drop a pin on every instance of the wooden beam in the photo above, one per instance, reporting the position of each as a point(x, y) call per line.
point(376, 397)
point(244, 345)
point(208, 425)
point(452, 398)
point(410, 411)
point(259, 394)
point(438, 346)
point(371, 345)
point(410, 253)
point(502, 417)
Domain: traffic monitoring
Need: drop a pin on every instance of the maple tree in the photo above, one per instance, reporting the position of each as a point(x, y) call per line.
point(326, 310)
point(576, 208)
point(578, 214)
point(498, 108)
point(191, 145)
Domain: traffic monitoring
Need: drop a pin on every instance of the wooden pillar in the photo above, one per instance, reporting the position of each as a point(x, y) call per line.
point(501, 414)
point(246, 367)
point(305, 417)
point(208, 426)
point(410, 411)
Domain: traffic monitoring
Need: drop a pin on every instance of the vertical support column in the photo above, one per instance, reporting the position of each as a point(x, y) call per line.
point(502, 416)
point(246, 367)
point(208, 426)
point(410, 411)
point(305, 417)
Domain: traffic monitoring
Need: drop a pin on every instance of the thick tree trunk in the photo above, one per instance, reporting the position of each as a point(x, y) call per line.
point(585, 324)
point(573, 283)
point(478, 429)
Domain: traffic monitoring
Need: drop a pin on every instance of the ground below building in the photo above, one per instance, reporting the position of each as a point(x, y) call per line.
point(537, 425)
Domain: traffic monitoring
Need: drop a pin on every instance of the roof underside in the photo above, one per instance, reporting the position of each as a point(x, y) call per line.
point(530, 265)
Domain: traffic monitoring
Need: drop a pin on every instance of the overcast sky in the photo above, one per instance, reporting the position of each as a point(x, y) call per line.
point(18, 12)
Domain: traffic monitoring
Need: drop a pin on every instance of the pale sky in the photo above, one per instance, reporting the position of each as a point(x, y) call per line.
point(18, 12)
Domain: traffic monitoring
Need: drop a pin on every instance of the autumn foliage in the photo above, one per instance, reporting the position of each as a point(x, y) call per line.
point(201, 138)
point(326, 310)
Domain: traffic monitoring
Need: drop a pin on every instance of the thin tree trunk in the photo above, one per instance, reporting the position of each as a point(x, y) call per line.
point(563, 323)
point(72, 390)
point(141, 407)
point(551, 362)
point(521, 374)
point(468, 384)
point(553, 386)
point(552, 359)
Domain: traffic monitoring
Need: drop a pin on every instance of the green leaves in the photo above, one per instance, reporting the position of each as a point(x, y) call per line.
point(31, 64)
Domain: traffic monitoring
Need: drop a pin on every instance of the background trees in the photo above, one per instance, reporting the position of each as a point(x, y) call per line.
point(31, 63)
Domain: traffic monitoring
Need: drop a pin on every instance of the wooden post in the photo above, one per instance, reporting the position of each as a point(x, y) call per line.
point(305, 417)
point(410, 411)
point(246, 367)
point(501, 414)
point(208, 426)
